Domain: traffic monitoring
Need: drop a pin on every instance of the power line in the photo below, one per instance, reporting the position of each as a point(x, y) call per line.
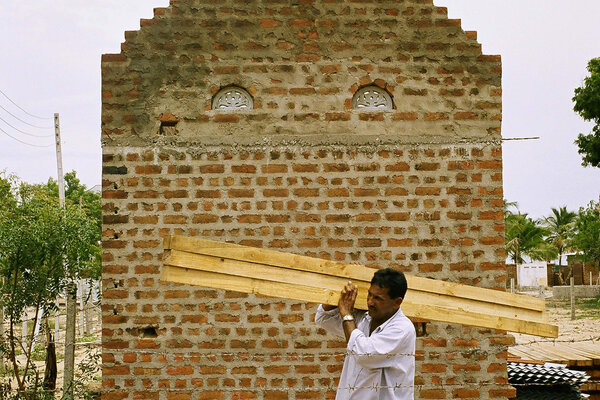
point(23, 132)
point(19, 140)
point(20, 108)
point(25, 122)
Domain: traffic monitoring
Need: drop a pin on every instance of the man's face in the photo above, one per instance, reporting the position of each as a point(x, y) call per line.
point(381, 306)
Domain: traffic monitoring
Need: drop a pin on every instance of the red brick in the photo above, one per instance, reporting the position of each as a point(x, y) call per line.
point(491, 215)
point(244, 169)
point(465, 393)
point(226, 118)
point(428, 191)
point(337, 116)
point(275, 193)
point(432, 394)
point(489, 164)
point(302, 91)
point(433, 368)
point(240, 193)
point(114, 57)
point(212, 169)
point(436, 116)
point(398, 167)
point(116, 370)
point(509, 393)
point(405, 116)
point(274, 169)
point(465, 115)
point(399, 216)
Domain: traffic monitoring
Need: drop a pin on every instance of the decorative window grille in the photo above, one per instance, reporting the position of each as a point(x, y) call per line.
point(372, 98)
point(232, 98)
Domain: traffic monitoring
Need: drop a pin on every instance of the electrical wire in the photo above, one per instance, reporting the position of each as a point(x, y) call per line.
point(25, 122)
point(19, 140)
point(23, 132)
point(20, 108)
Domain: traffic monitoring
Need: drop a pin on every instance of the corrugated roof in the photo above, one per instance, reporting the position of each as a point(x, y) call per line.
point(532, 374)
point(548, 393)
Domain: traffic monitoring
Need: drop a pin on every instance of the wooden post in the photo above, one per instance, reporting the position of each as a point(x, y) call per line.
point(57, 321)
point(24, 329)
point(591, 283)
point(81, 308)
point(69, 368)
point(572, 298)
point(512, 285)
point(88, 318)
point(38, 323)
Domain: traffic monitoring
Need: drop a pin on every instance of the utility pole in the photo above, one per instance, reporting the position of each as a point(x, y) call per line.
point(71, 292)
point(61, 199)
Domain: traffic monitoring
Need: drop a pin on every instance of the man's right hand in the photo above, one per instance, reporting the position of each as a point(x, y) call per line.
point(347, 299)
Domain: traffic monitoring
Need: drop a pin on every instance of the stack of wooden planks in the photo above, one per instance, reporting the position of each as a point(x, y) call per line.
point(244, 269)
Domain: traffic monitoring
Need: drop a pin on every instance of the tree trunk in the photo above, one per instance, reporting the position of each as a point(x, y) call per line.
point(51, 370)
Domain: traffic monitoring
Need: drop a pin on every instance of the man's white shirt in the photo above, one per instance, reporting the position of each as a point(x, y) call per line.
point(380, 366)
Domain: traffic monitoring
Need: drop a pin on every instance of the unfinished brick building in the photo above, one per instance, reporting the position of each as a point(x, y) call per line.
point(364, 131)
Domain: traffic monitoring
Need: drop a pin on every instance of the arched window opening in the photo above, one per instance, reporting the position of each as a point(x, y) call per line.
point(232, 98)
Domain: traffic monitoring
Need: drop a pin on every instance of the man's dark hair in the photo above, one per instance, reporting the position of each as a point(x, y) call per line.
point(394, 281)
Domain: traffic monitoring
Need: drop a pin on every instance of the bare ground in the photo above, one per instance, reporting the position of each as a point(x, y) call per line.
point(585, 326)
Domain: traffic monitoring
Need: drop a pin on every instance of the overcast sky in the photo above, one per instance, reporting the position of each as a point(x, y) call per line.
point(50, 62)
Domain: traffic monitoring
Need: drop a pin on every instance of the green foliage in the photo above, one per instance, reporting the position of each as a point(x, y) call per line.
point(587, 105)
point(43, 247)
point(86, 339)
point(587, 232)
point(526, 237)
point(560, 229)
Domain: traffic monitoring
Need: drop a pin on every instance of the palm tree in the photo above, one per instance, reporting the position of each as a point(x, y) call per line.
point(560, 226)
point(525, 237)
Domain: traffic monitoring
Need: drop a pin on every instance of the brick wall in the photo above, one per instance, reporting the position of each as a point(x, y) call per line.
point(417, 188)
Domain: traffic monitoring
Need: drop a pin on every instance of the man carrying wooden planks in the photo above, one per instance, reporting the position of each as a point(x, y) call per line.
point(380, 361)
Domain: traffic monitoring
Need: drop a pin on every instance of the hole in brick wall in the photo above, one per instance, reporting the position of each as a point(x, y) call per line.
point(168, 123)
point(149, 332)
point(114, 311)
point(116, 236)
point(168, 128)
point(116, 210)
point(115, 186)
point(420, 326)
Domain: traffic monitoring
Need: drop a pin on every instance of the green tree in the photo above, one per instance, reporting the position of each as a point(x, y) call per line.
point(43, 247)
point(526, 237)
point(587, 233)
point(77, 194)
point(560, 230)
point(587, 105)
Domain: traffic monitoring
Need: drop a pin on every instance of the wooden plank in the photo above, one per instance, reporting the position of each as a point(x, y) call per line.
point(311, 294)
point(273, 273)
point(350, 271)
point(265, 272)
point(574, 354)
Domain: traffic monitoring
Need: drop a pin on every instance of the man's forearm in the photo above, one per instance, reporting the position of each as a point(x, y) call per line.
point(349, 326)
point(328, 307)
